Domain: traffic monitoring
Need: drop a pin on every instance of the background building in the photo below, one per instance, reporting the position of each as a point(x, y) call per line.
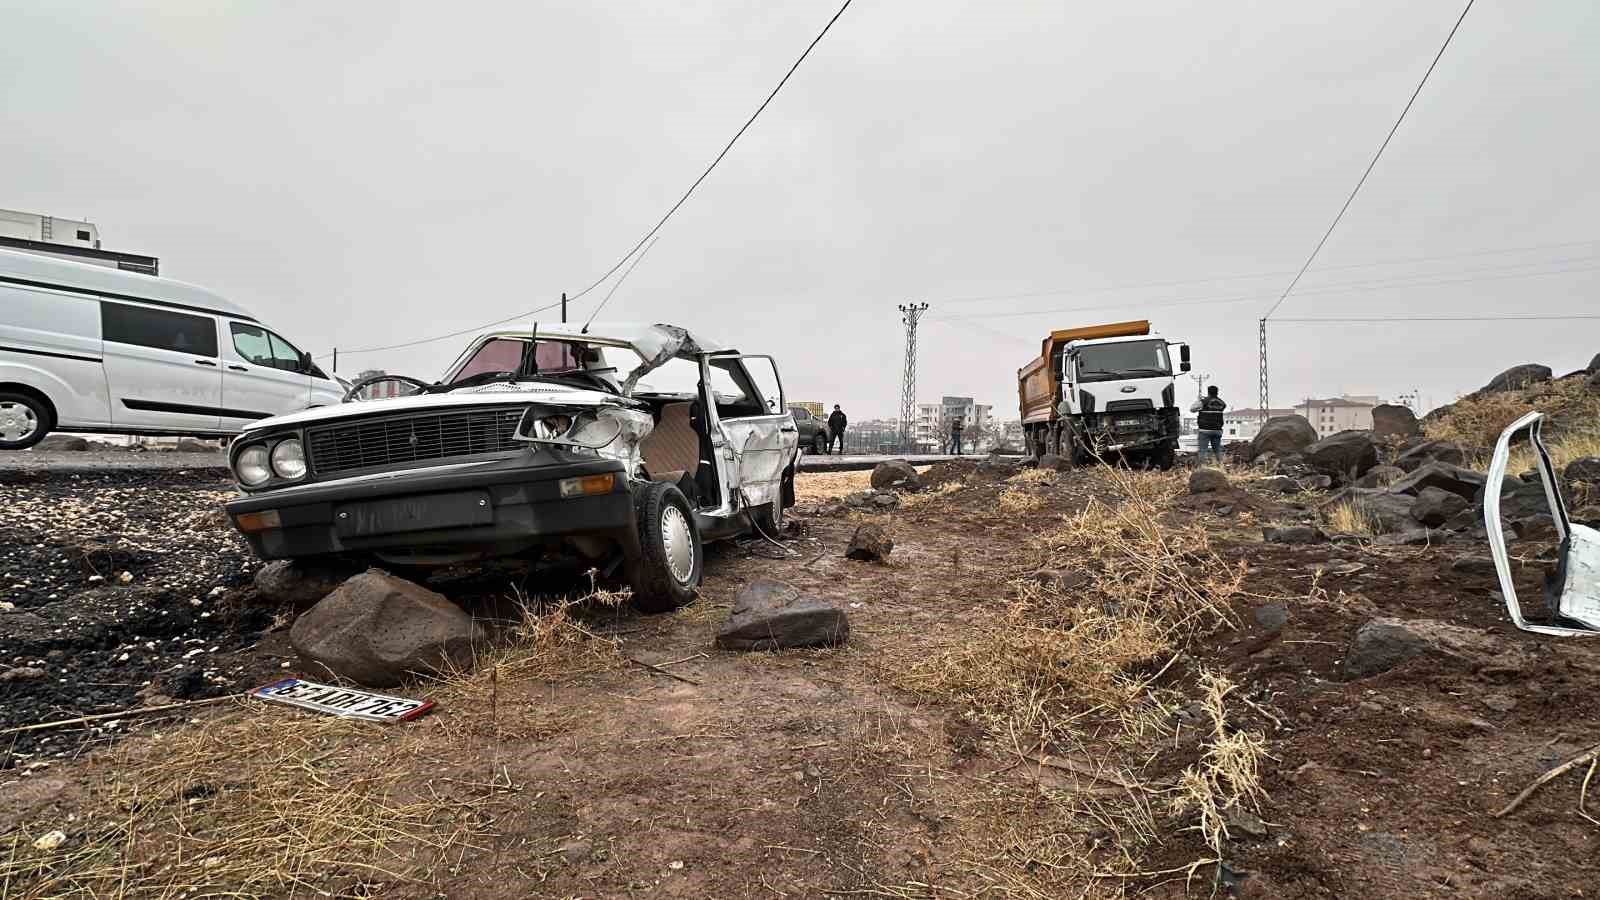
point(1336, 414)
point(71, 239)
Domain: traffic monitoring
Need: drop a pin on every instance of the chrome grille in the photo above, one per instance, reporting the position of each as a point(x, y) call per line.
point(387, 442)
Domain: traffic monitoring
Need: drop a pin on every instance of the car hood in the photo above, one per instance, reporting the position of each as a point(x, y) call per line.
point(487, 395)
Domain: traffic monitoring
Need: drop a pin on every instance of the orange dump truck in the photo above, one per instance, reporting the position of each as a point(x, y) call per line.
point(1103, 390)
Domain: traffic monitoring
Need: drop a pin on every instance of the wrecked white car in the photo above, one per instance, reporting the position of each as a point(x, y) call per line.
point(622, 447)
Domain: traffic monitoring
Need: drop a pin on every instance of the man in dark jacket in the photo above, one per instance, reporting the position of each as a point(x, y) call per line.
point(1210, 408)
point(836, 424)
point(956, 426)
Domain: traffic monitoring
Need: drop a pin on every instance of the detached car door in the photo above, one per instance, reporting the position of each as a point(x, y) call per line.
point(161, 368)
point(264, 376)
point(759, 433)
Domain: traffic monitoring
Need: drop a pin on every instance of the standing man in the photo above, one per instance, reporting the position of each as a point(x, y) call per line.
point(836, 425)
point(956, 424)
point(1210, 408)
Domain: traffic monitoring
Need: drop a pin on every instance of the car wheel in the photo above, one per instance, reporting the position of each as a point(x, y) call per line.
point(671, 558)
point(24, 421)
point(819, 444)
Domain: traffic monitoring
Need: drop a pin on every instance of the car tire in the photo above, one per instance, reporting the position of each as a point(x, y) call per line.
point(671, 557)
point(24, 421)
point(819, 444)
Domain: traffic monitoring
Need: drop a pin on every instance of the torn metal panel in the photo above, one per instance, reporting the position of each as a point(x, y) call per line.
point(1574, 591)
point(609, 431)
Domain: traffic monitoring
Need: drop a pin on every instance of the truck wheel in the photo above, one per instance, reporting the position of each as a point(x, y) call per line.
point(24, 421)
point(671, 559)
point(1167, 457)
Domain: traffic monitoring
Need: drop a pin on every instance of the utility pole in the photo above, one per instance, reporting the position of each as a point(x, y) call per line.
point(909, 314)
point(563, 307)
point(1262, 365)
point(1200, 380)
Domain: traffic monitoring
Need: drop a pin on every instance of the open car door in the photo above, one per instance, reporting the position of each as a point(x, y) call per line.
point(759, 434)
point(1573, 590)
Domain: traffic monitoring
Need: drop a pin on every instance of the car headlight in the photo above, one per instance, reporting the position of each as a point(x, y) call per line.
point(289, 459)
point(555, 426)
point(252, 466)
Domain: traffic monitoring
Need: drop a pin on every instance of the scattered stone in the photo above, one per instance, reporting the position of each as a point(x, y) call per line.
point(885, 500)
point(1519, 500)
point(1474, 565)
point(1346, 454)
point(377, 629)
point(1464, 483)
point(1272, 617)
point(1293, 534)
point(1393, 420)
point(298, 583)
point(195, 445)
point(1381, 476)
point(1583, 471)
point(1283, 484)
point(1054, 463)
point(895, 474)
point(1431, 451)
point(575, 853)
point(1383, 643)
point(1282, 435)
point(1516, 378)
point(50, 841)
point(1436, 506)
point(1315, 482)
point(1059, 579)
point(1535, 528)
point(1388, 511)
point(1243, 822)
point(771, 615)
point(1503, 703)
point(1405, 538)
point(22, 673)
point(62, 443)
point(1224, 510)
point(1587, 515)
point(1207, 480)
point(870, 543)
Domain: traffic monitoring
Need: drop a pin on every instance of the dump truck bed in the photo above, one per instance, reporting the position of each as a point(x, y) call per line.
point(1039, 382)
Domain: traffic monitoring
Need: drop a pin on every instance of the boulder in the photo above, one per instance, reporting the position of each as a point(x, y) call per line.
point(1594, 365)
point(1388, 511)
point(1394, 421)
point(1382, 644)
point(298, 583)
point(1516, 378)
point(1464, 483)
point(870, 543)
point(1054, 463)
point(1518, 499)
point(771, 615)
point(1282, 435)
point(1587, 515)
point(1541, 527)
point(1380, 476)
point(1283, 484)
point(1430, 451)
point(1436, 506)
point(1206, 480)
point(1593, 380)
point(1293, 534)
point(1347, 454)
point(1583, 471)
point(376, 629)
point(62, 443)
point(895, 474)
point(1315, 482)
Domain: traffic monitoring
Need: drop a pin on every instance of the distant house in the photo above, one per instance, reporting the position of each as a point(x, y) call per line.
point(1244, 424)
point(1336, 414)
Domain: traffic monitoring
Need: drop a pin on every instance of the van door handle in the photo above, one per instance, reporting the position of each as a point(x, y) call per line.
point(205, 362)
point(233, 368)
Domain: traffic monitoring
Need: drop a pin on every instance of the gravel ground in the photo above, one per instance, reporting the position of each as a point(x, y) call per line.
point(59, 462)
point(116, 590)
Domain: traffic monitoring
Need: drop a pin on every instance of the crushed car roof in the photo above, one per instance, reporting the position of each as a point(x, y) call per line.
point(648, 339)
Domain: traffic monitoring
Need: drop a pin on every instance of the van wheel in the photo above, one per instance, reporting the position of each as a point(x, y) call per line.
point(671, 558)
point(24, 421)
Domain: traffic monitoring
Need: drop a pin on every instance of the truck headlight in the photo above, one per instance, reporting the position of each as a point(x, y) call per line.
point(252, 466)
point(289, 459)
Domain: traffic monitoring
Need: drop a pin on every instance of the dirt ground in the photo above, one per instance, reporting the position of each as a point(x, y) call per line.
point(564, 767)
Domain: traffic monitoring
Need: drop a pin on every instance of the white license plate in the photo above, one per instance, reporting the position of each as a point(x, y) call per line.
point(340, 701)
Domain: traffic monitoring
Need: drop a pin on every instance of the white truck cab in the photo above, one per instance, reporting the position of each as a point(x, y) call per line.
point(92, 349)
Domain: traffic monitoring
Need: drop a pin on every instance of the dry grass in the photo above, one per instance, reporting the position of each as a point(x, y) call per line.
point(826, 485)
point(1349, 518)
point(911, 501)
point(1016, 500)
point(1083, 672)
point(1228, 776)
point(1476, 422)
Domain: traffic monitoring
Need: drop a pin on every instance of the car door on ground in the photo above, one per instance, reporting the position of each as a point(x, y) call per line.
point(161, 367)
point(263, 377)
point(756, 425)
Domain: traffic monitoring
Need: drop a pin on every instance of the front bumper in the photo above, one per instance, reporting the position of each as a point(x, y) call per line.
point(500, 507)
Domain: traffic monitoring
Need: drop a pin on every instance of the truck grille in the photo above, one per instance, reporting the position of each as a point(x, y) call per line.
point(377, 443)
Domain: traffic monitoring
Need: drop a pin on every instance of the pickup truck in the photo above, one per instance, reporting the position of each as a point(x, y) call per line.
point(620, 447)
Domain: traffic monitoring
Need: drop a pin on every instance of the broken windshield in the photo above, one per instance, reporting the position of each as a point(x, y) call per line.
point(1132, 359)
point(565, 362)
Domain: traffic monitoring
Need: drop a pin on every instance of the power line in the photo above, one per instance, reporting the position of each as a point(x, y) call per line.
point(663, 221)
point(1375, 157)
point(609, 294)
point(1254, 275)
point(1563, 317)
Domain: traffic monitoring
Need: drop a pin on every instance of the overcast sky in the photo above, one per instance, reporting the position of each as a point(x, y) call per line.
point(360, 174)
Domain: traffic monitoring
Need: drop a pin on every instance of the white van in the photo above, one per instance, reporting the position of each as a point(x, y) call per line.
point(88, 348)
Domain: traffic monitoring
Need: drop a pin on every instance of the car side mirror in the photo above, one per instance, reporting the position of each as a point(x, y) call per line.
point(1183, 357)
point(305, 363)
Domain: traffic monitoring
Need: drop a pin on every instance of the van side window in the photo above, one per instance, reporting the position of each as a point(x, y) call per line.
point(158, 328)
point(264, 348)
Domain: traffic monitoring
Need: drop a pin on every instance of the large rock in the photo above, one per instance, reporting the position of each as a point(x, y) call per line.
point(1518, 499)
point(1283, 435)
point(1380, 476)
point(1516, 378)
point(1393, 420)
point(1382, 644)
point(771, 615)
point(195, 445)
point(1431, 451)
point(1594, 364)
point(1583, 471)
point(1293, 534)
point(1207, 480)
point(376, 629)
point(1388, 511)
point(1464, 483)
point(895, 474)
point(1347, 454)
point(69, 443)
point(870, 543)
point(1436, 506)
point(298, 583)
